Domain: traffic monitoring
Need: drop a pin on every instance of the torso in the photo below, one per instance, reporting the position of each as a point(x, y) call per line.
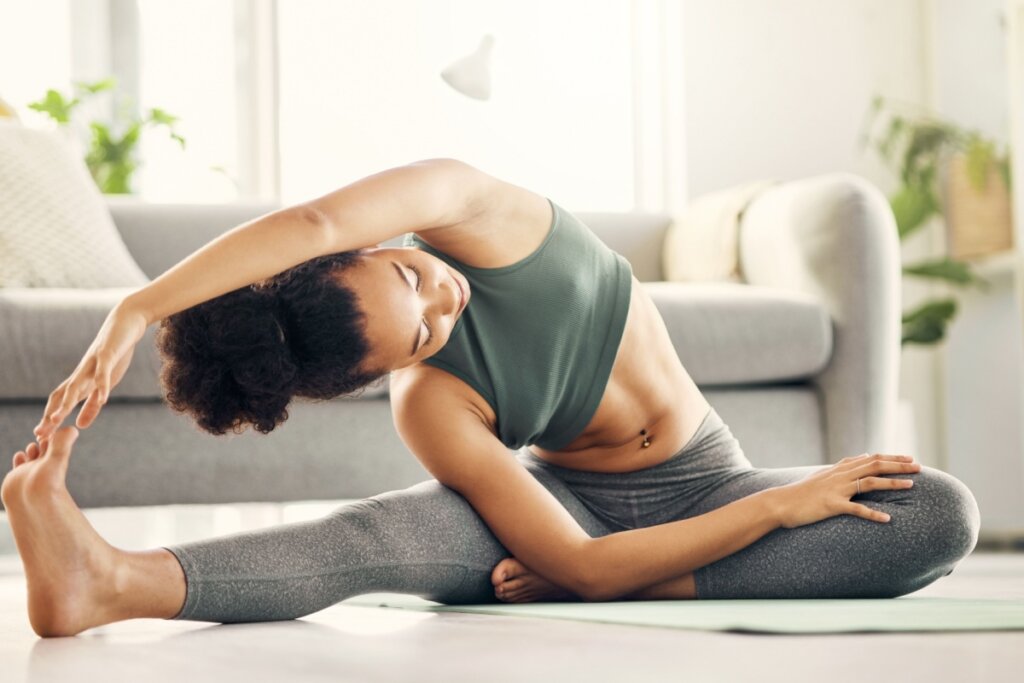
point(648, 389)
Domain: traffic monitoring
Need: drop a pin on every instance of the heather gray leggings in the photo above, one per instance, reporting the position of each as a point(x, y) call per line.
point(427, 540)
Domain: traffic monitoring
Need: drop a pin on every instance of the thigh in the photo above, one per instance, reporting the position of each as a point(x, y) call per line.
point(438, 544)
point(933, 526)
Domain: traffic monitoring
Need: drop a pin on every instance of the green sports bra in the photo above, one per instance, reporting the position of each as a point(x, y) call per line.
point(538, 338)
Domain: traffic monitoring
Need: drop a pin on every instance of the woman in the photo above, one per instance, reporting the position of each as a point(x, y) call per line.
point(504, 324)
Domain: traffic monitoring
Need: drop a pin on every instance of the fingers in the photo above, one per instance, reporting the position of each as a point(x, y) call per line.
point(860, 459)
point(64, 399)
point(90, 410)
point(876, 483)
point(859, 510)
point(45, 426)
point(880, 464)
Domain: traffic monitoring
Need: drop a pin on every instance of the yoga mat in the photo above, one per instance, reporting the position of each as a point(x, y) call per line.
point(758, 616)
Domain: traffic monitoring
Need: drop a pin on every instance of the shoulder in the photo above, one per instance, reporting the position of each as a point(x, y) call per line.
point(502, 224)
point(422, 393)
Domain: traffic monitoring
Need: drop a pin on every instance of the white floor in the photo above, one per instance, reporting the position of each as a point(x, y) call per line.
point(346, 643)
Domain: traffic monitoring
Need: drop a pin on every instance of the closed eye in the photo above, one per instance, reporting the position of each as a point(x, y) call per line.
point(419, 281)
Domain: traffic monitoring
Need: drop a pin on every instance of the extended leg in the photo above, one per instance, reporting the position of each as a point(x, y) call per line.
point(934, 525)
point(425, 540)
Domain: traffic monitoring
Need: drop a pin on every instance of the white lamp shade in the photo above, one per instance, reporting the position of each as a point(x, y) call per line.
point(471, 75)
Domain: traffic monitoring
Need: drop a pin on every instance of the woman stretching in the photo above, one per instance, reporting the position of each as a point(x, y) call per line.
point(574, 458)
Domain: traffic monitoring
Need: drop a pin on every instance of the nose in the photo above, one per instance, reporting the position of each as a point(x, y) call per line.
point(449, 294)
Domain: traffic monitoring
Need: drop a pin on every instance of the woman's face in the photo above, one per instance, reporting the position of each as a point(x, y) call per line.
point(411, 300)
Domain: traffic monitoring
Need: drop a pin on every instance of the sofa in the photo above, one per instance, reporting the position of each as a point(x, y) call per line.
point(800, 358)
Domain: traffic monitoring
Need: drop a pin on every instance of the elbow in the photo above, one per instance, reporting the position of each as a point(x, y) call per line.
point(589, 582)
point(593, 589)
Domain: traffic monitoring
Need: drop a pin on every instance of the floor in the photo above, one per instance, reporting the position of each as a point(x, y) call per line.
point(347, 643)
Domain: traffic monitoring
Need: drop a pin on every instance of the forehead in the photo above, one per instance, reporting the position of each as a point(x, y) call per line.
point(389, 304)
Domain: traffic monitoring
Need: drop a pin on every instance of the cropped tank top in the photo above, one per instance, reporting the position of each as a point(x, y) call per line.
point(538, 338)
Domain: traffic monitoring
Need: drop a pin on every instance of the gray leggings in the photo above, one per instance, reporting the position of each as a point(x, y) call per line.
point(427, 540)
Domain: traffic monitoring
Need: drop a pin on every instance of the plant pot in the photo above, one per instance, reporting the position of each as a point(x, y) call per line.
point(978, 222)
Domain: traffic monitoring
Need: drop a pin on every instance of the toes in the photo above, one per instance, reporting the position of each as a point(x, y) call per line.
point(32, 451)
point(59, 446)
point(503, 570)
point(508, 568)
point(19, 458)
point(513, 585)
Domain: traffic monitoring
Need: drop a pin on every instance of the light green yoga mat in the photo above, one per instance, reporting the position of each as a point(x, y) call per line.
point(761, 616)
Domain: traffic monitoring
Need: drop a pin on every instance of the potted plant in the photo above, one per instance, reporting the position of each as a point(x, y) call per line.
point(943, 169)
point(112, 155)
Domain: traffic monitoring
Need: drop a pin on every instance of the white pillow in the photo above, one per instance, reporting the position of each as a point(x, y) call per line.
point(55, 230)
point(702, 241)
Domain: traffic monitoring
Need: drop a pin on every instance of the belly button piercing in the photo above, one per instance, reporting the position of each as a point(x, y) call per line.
point(647, 439)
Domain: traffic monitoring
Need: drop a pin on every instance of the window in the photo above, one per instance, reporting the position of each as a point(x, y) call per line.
point(186, 53)
point(360, 91)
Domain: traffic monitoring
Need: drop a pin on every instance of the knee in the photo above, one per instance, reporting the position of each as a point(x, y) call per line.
point(949, 516)
point(935, 526)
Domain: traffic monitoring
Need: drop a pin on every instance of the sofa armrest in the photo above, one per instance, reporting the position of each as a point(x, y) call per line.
point(834, 236)
point(160, 235)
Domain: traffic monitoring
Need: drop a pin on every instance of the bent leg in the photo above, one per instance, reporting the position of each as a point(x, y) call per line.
point(425, 540)
point(933, 526)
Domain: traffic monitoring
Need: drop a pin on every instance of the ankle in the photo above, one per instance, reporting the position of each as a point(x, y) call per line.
point(148, 583)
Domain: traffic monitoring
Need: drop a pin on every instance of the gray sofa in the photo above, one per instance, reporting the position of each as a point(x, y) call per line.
point(801, 359)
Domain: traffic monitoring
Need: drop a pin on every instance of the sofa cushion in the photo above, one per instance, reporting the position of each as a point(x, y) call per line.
point(725, 333)
point(733, 333)
point(46, 331)
point(55, 230)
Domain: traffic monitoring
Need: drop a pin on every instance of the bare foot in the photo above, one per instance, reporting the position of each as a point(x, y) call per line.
point(70, 570)
point(514, 582)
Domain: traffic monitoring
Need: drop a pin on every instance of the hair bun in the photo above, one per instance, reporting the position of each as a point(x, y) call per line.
point(230, 361)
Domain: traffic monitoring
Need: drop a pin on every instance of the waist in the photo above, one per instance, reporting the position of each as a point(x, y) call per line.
point(669, 437)
point(711, 447)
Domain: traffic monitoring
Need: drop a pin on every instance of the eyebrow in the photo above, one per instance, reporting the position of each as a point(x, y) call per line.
point(416, 339)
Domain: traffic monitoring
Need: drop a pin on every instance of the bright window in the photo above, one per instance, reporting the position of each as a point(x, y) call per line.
point(360, 91)
point(35, 53)
point(187, 66)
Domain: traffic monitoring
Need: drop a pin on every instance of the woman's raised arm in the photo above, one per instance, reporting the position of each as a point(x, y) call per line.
point(410, 198)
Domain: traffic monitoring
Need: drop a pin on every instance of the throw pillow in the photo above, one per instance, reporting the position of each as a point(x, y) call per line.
point(55, 230)
point(702, 242)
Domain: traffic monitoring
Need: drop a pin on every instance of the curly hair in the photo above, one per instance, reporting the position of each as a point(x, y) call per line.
point(239, 359)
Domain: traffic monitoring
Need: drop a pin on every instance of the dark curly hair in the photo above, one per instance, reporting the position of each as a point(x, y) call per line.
point(240, 358)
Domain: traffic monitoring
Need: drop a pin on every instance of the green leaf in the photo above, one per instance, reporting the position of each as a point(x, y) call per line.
point(944, 269)
point(979, 155)
point(97, 86)
point(927, 141)
point(55, 105)
point(942, 309)
point(160, 116)
point(927, 323)
point(181, 140)
point(912, 206)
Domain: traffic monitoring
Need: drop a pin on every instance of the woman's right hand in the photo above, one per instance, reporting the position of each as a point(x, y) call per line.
point(827, 492)
point(101, 368)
